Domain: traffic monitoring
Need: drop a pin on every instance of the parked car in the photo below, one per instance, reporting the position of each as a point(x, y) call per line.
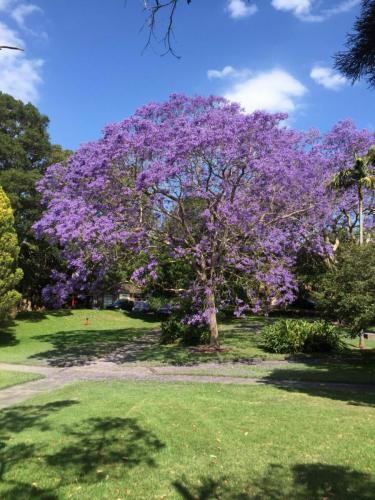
point(121, 304)
point(141, 306)
point(165, 310)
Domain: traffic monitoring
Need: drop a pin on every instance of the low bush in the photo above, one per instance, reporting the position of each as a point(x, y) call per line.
point(156, 302)
point(173, 330)
point(290, 336)
point(346, 291)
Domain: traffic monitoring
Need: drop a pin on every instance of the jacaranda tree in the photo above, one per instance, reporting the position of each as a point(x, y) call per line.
point(227, 192)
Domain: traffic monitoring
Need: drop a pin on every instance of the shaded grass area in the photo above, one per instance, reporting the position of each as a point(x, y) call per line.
point(241, 337)
point(9, 378)
point(243, 340)
point(66, 338)
point(146, 440)
point(71, 338)
point(351, 372)
point(62, 338)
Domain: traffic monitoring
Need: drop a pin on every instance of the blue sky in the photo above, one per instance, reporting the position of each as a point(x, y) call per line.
point(84, 64)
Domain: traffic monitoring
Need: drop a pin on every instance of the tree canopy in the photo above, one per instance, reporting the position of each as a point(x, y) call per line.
point(25, 152)
point(358, 61)
point(230, 194)
point(10, 275)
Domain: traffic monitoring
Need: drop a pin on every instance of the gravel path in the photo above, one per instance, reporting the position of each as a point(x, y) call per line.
point(105, 370)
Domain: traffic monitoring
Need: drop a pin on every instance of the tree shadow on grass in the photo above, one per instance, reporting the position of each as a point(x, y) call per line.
point(92, 449)
point(105, 445)
point(354, 396)
point(82, 347)
point(330, 369)
point(350, 382)
point(302, 481)
point(236, 333)
point(13, 421)
point(35, 316)
point(7, 335)
point(148, 317)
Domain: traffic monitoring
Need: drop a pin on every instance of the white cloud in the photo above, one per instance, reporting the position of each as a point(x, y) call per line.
point(21, 11)
point(342, 7)
point(303, 9)
point(227, 72)
point(297, 7)
point(327, 77)
point(239, 8)
point(275, 90)
point(19, 75)
point(5, 5)
point(9, 37)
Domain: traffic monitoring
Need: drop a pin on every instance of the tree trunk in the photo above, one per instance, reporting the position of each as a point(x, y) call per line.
point(360, 209)
point(361, 340)
point(212, 321)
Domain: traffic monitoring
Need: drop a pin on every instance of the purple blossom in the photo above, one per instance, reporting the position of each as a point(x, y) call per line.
point(233, 194)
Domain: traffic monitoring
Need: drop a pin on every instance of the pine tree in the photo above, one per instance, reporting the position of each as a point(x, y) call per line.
point(10, 275)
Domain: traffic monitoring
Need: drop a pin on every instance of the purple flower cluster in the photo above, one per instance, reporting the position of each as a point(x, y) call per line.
point(235, 193)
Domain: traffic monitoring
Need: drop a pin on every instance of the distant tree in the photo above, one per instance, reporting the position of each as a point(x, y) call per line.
point(358, 61)
point(10, 275)
point(346, 291)
point(25, 153)
point(58, 154)
point(24, 140)
point(342, 146)
point(361, 176)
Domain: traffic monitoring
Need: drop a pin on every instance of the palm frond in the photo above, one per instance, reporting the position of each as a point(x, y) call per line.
point(343, 179)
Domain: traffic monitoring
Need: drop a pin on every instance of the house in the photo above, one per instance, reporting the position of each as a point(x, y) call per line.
point(126, 291)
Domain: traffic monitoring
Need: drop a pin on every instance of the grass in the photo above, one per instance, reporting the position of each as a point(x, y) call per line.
point(242, 338)
point(62, 338)
point(361, 371)
point(9, 378)
point(143, 440)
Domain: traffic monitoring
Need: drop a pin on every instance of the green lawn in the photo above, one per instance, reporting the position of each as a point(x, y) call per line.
point(142, 440)
point(241, 338)
point(361, 371)
point(9, 378)
point(62, 338)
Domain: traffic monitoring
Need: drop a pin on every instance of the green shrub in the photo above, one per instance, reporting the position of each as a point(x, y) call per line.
point(291, 336)
point(10, 275)
point(173, 330)
point(156, 302)
point(346, 291)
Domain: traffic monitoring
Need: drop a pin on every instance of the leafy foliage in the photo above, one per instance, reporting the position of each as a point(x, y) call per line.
point(346, 291)
point(10, 275)
point(173, 330)
point(24, 140)
point(25, 152)
point(294, 335)
point(359, 59)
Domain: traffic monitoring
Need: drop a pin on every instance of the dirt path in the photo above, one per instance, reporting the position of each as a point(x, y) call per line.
point(105, 370)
